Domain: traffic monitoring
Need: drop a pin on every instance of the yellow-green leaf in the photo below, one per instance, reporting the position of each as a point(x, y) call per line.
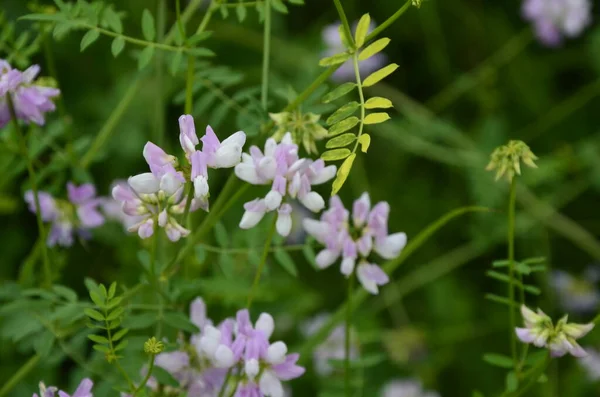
point(343, 125)
point(340, 141)
point(334, 59)
point(343, 112)
point(338, 92)
point(145, 57)
point(365, 142)
point(88, 39)
point(336, 154)
point(342, 174)
point(148, 27)
point(373, 48)
point(378, 102)
point(343, 37)
point(381, 74)
point(117, 45)
point(376, 118)
point(362, 30)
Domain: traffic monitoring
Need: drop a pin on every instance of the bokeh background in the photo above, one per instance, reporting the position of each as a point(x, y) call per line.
point(471, 77)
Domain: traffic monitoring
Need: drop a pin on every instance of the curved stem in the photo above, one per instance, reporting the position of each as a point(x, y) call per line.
point(263, 261)
point(147, 377)
point(388, 21)
point(362, 101)
point(264, 94)
point(511, 270)
point(34, 189)
point(224, 385)
point(347, 388)
point(20, 374)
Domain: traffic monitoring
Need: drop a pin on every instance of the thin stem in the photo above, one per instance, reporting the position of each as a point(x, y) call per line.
point(262, 263)
point(264, 94)
point(388, 21)
point(345, 23)
point(188, 204)
point(22, 372)
point(159, 123)
point(347, 388)
point(211, 9)
point(511, 269)
point(34, 189)
point(147, 377)
point(116, 360)
point(180, 24)
point(362, 101)
point(224, 386)
point(189, 86)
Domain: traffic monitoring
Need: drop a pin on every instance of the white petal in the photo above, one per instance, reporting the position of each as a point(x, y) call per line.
point(316, 228)
point(326, 257)
point(145, 183)
point(267, 167)
point(169, 183)
point(200, 187)
point(251, 368)
point(348, 266)
point(247, 173)
point(366, 282)
point(270, 385)
point(284, 224)
point(313, 201)
point(266, 324)
point(251, 219)
point(224, 357)
point(273, 200)
point(325, 175)
point(276, 353)
point(391, 246)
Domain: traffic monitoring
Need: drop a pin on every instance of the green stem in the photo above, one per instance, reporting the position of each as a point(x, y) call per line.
point(112, 350)
point(22, 372)
point(388, 21)
point(188, 204)
point(147, 377)
point(180, 25)
point(362, 101)
point(511, 269)
point(225, 382)
point(206, 19)
point(34, 189)
point(345, 23)
point(533, 374)
point(263, 261)
point(264, 94)
point(189, 86)
point(159, 123)
point(347, 388)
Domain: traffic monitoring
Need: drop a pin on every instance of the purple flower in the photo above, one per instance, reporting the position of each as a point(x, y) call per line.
point(405, 388)
point(554, 19)
point(577, 294)
point(30, 100)
point(353, 241)
point(77, 215)
point(289, 176)
point(83, 390)
point(591, 364)
point(112, 208)
point(334, 45)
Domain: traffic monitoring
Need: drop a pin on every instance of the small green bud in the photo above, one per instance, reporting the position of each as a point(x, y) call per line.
point(304, 128)
point(153, 346)
point(506, 159)
point(416, 3)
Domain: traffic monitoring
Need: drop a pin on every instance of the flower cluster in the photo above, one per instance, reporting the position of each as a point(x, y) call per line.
point(83, 390)
point(304, 128)
point(577, 294)
point(334, 45)
point(280, 166)
point(406, 388)
point(332, 348)
point(554, 19)
point(506, 159)
point(77, 215)
point(30, 99)
point(157, 196)
point(355, 240)
point(256, 367)
point(560, 339)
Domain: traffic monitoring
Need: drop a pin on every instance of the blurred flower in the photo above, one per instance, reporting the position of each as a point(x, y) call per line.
point(113, 210)
point(333, 348)
point(30, 99)
point(157, 198)
point(506, 159)
point(405, 344)
point(591, 363)
point(83, 390)
point(77, 215)
point(405, 388)
point(554, 19)
point(333, 42)
point(356, 239)
point(288, 175)
point(305, 128)
point(577, 294)
point(560, 339)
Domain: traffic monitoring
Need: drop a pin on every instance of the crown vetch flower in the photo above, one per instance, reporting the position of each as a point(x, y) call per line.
point(354, 240)
point(157, 198)
point(79, 214)
point(289, 176)
point(559, 339)
point(30, 99)
point(555, 19)
point(83, 390)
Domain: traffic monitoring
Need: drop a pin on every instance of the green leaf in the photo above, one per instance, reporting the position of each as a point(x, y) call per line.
point(512, 382)
point(224, 11)
point(379, 75)
point(65, 292)
point(299, 2)
point(103, 291)
point(44, 17)
point(226, 264)
point(498, 360)
point(284, 259)
point(111, 18)
point(121, 333)
point(373, 48)
point(336, 154)
point(98, 339)
point(340, 141)
point(376, 118)
point(145, 57)
point(196, 38)
point(115, 313)
point(378, 102)
point(339, 92)
point(112, 290)
point(200, 254)
point(502, 300)
point(176, 63)
point(43, 343)
point(201, 52)
point(342, 174)
point(335, 59)
point(94, 314)
point(477, 393)
point(279, 6)
point(122, 345)
point(180, 321)
point(97, 299)
point(88, 39)
point(309, 254)
point(117, 46)
point(164, 378)
point(114, 302)
point(101, 348)
point(365, 142)
point(343, 112)
point(343, 125)
point(362, 30)
point(241, 12)
point(148, 27)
